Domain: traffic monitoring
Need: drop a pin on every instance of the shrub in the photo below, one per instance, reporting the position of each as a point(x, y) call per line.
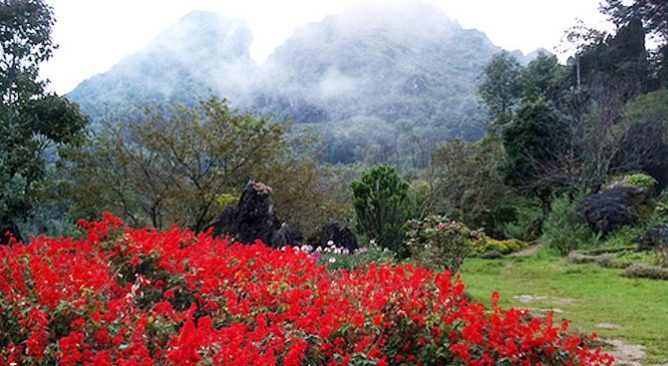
point(439, 242)
point(661, 208)
point(656, 239)
point(191, 299)
point(640, 179)
point(527, 224)
point(382, 207)
point(487, 244)
point(564, 230)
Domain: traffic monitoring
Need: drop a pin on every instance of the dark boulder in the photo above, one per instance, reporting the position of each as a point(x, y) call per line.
point(653, 238)
point(9, 230)
point(254, 218)
point(286, 235)
point(612, 208)
point(340, 235)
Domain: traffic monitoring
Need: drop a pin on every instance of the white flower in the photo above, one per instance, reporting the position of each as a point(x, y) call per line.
point(330, 243)
point(332, 260)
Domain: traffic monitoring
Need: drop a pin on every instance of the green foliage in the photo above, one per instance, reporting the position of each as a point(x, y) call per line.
point(661, 208)
point(438, 242)
point(640, 179)
point(527, 223)
point(564, 230)
point(469, 186)
point(648, 107)
point(31, 120)
point(651, 13)
point(487, 244)
point(382, 207)
point(542, 78)
point(622, 237)
point(535, 144)
point(501, 86)
point(419, 194)
point(181, 166)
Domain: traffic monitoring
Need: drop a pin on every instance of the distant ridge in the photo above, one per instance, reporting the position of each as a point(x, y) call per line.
point(370, 76)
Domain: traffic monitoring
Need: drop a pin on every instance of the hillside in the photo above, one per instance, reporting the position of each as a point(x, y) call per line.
point(200, 55)
point(373, 82)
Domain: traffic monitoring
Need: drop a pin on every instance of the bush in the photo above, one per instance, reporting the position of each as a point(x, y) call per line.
point(191, 299)
point(487, 244)
point(661, 208)
point(527, 224)
point(564, 230)
point(439, 242)
point(382, 207)
point(640, 179)
point(656, 239)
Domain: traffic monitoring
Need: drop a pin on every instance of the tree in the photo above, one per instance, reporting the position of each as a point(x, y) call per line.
point(31, 120)
point(184, 165)
point(542, 78)
point(535, 146)
point(653, 13)
point(501, 86)
point(469, 186)
point(382, 206)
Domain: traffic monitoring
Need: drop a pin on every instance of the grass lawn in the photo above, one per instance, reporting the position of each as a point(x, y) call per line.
point(585, 293)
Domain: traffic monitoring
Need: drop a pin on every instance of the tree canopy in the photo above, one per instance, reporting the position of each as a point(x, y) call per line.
point(31, 120)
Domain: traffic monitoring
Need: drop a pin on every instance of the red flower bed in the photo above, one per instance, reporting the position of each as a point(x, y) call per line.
point(141, 297)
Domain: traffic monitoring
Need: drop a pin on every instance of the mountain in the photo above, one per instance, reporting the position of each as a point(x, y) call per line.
point(200, 55)
point(374, 74)
point(376, 82)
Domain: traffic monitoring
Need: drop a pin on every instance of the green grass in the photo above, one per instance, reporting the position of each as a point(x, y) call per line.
point(638, 306)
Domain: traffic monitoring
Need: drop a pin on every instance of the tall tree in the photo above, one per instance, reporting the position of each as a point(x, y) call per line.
point(382, 206)
point(501, 86)
point(653, 13)
point(542, 78)
point(534, 145)
point(31, 120)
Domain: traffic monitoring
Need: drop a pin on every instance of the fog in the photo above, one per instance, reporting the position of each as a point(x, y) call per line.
point(94, 35)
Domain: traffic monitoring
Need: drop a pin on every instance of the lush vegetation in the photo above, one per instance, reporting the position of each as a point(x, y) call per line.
point(574, 157)
point(127, 297)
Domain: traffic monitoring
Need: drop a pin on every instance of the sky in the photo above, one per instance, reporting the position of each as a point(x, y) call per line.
point(93, 35)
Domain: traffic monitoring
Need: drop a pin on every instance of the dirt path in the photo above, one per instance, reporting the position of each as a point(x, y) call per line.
point(626, 354)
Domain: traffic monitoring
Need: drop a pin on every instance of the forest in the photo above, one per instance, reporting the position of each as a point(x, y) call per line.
point(569, 160)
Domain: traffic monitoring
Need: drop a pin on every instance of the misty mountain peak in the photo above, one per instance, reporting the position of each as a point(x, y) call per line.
point(205, 34)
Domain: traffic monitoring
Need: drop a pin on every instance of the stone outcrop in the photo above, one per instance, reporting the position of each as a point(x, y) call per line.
point(254, 218)
point(338, 234)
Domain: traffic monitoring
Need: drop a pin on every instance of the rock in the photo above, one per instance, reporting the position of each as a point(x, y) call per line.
point(254, 218)
point(340, 235)
point(653, 238)
point(612, 208)
point(8, 229)
point(286, 235)
point(529, 298)
point(607, 326)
